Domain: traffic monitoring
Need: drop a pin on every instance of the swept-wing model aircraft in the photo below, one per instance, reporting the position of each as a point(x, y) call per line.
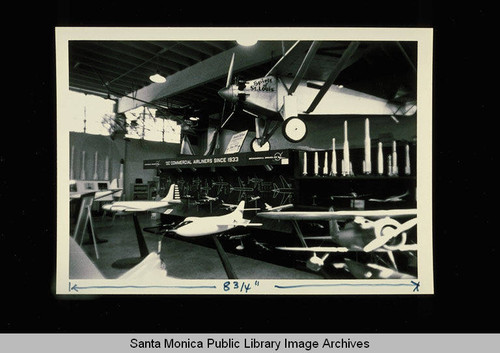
point(366, 231)
point(285, 189)
point(279, 97)
point(241, 188)
point(214, 226)
point(201, 226)
point(172, 198)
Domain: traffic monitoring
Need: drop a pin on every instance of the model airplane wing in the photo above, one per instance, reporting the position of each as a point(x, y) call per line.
point(98, 194)
point(237, 224)
point(335, 249)
point(336, 215)
point(278, 208)
point(134, 208)
point(314, 249)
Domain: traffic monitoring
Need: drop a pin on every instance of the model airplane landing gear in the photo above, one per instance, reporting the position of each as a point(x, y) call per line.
point(256, 146)
point(294, 129)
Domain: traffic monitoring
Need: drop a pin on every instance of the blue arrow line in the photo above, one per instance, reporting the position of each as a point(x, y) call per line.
point(417, 285)
point(77, 288)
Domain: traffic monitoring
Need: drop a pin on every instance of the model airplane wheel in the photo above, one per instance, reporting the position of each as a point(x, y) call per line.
point(294, 129)
point(256, 147)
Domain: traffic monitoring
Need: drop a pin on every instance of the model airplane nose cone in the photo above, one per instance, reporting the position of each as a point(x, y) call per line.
point(226, 93)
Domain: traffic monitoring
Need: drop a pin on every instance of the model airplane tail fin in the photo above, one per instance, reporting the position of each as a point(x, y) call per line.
point(238, 212)
point(333, 226)
point(173, 195)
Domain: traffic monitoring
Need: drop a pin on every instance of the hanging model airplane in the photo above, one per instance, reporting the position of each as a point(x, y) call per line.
point(161, 206)
point(279, 97)
point(366, 231)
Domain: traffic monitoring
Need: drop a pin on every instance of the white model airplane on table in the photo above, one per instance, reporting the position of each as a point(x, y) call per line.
point(202, 226)
point(214, 226)
point(172, 198)
point(279, 97)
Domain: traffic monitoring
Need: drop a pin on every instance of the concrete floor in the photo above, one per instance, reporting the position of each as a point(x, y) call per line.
point(182, 259)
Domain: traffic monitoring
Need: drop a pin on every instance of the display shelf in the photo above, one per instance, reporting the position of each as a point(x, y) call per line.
point(356, 177)
point(140, 192)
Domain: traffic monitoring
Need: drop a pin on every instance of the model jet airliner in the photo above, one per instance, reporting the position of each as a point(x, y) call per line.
point(161, 206)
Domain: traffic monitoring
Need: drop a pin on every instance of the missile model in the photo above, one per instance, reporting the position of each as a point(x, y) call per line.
point(333, 170)
point(304, 167)
point(407, 160)
point(106, 169)
point(82, 172)
point(389, 165)
point(325, 164)
point(120, 176)
point(95, 165)
point(394, 159)
point(367, 163)
point(316, 164)
point(380, 160)
point(346, 163)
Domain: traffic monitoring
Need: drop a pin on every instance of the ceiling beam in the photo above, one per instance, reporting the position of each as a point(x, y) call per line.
point(213, 68)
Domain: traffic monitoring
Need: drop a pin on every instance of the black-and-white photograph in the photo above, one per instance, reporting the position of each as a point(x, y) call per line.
point(244, 161)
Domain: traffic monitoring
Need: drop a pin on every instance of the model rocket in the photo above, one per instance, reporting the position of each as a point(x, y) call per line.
point(82, 172)
point(325, 164)
point(95, 165)
point(407, 160)
point(367, 163)
point(346, 163)
point(316, 164)
point(380, 160)
point(394, 159)
point(304, 166)
point(389, 165)
point(106, 169)
point(333, 169)
point(120, 177)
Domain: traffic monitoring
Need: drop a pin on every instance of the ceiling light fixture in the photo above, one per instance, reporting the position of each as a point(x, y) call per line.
point(157, 78)
point(247, 42)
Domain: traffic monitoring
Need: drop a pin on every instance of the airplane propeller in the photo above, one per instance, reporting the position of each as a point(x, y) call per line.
point(387, 233)
point(226, 93)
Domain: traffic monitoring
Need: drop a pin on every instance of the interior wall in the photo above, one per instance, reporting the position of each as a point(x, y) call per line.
point(132, 151)
point(321, 130)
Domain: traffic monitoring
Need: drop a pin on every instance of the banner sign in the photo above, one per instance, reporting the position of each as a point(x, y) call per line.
point(242, 159)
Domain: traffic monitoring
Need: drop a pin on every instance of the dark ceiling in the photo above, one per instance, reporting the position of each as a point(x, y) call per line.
point(120, 68)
